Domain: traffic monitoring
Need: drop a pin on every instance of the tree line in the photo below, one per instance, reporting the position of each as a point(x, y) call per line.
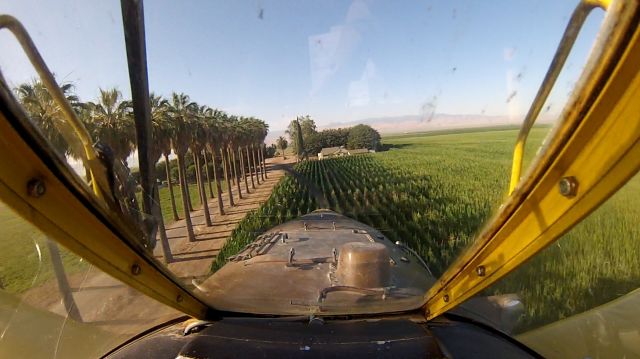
point(313, 141)
point(234, 145)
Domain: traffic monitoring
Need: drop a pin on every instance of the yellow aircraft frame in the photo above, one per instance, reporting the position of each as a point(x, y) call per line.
point(37, 184)
point(594, 150)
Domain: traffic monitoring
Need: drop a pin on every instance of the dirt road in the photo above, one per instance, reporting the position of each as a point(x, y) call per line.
point(112, 306)
point(193, 259)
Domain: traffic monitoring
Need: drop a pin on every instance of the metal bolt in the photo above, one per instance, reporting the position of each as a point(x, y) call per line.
point(446, 298)
point(568, 186)
point(480, 271)
point(179, 298)
point(135, 269)
point(36, 188)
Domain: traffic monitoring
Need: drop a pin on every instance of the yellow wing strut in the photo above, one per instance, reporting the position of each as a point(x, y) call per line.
point(593, 152)
point(71, 129)
point(564, 48)
point(62, 207)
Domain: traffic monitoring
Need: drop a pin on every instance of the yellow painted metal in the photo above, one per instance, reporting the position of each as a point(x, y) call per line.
point(72, 129)
point(596, 143)
point(75, 222)
point(562, 52)
point(67, 212)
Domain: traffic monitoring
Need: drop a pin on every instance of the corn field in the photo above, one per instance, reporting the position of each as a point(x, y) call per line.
point(435, 192)
point(288, 201)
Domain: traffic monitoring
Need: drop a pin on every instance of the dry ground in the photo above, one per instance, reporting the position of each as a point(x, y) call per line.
point(120, 310)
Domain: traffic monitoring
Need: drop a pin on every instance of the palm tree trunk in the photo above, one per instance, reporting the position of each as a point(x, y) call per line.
point(63, 284)
point(260, 163)
point(226, 175)
point(185, 195)
point(264, 162)
point(174, 211)
point(203, 192)
point(230, 168)
point(244, 172)
point(157, 212)
point(255, 167)
point(283, 156)
point(185, 184)
point(235, 171)
point(253, 185)
point(195, 172)
point(184, 190)
point(216, 178)
point(206, 168)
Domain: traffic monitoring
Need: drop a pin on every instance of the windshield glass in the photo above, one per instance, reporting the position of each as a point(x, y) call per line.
point(398, 118)
point(55, 304)
point(580, 295)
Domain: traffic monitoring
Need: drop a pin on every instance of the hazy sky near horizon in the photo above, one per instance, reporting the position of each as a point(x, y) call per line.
point(337, 61)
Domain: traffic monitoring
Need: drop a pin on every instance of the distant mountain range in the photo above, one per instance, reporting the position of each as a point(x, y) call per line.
point(417, 123)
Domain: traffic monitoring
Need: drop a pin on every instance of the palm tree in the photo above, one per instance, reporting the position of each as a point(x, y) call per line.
point(206, 171)
point(161, 131)
point(241, 139)
point(247, 125)
point(213, 118)
point(45, 112)
point(251, 173)
point(113, 121)
point(253, 151)
point(259, 131)
point(193, 151)
point(194, 160)
point(224, 142)
point(181, 110)
point(205, 118)
point(234, 137)
point(264, 128)
point(198, 142)
point(253, 126)
point(263, 162)
point(166, 151)
point(282, 145)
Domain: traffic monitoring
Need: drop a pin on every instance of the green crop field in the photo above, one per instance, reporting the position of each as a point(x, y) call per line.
point(288, 200)
point(24, 255)
point(435, 191)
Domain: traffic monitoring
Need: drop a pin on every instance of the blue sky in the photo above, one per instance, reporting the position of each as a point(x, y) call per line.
point(337, 61)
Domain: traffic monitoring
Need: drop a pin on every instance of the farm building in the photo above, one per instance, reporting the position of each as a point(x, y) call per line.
point(358, 151)
point(331, 152)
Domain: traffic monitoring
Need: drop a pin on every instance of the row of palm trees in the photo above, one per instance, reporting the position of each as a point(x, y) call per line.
point(232, 144)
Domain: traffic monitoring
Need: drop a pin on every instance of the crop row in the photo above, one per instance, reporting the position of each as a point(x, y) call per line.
point(288, 201)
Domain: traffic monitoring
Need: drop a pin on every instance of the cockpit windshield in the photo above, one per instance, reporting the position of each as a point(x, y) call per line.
point(321, 158)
